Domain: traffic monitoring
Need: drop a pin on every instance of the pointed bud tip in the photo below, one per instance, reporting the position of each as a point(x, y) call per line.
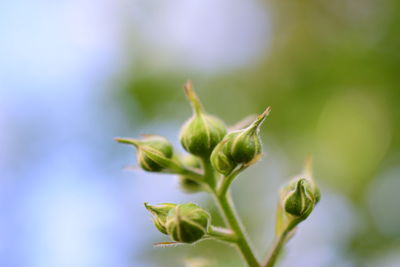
point(266, 111)
point(129, 141)
point(300, 184)
point(188, 86)
point(260, 118)
point(193, 98)
point(148, 207)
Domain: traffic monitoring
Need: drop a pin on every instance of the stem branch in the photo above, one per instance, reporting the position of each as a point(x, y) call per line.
point(222, 234)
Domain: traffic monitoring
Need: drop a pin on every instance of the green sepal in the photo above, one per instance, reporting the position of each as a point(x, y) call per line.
point(160, 213)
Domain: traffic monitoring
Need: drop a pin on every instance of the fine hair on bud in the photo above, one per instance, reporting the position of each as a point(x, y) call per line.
point(153, 152)
point(202, 132)
point(239, 147)
point(160, 213)
point(187, 223)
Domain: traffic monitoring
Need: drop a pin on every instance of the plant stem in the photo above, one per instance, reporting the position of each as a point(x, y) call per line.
point(225, 204)
point(227, 181)
point(209, 174)
point(228, 210)
point(222, 234)
point(281, 241)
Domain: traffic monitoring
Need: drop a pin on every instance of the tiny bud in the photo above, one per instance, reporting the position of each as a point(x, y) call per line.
point(239, 147)
point(187, 184)
point(220, 160)
point(202, 132)
point(298, 202)
point(245, 145)
point(153, 152)
point(160, 213)
point(187, 223)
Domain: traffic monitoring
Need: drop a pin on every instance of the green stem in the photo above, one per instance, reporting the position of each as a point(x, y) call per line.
point(228, 210)
point(225, 204)
point(209, 174)
point(222, 234)
point(227, 181)
point(281, 241)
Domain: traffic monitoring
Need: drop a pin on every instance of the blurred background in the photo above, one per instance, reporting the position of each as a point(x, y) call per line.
point(74, 74)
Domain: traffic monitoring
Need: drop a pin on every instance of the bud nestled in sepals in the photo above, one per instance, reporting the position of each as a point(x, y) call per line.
point(187, 184)
point(202, 132)
point(221, 160)
point(299, 197)
point(153, 152)
point(187, 223)
point(160, 213)
point(239, 147)
point(298, 202)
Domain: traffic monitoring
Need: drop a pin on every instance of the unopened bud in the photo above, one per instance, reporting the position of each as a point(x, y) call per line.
point(160, 213)
point(153, 152)
point(239, 147)
point(187, 223)
point(202, 132)
point(298, 202)
point(220, 160)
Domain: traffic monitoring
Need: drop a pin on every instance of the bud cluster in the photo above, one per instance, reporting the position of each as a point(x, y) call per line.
point(215, 157)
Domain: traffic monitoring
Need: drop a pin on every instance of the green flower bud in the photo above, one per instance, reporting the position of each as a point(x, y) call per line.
point(298, 202)
point(221, 161)
point(187, 223)
point(187, 184)
point(239, 147)
point(202, 132)
point(160, 213)
point(153, 152)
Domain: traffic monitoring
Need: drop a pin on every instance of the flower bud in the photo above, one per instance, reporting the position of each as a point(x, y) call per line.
point(187, 223)
point(298, 202)
point(160, 213)
point(202, 132)
point(239, 147)
point(187, 184)
point(153, 152)
point(221, 161)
